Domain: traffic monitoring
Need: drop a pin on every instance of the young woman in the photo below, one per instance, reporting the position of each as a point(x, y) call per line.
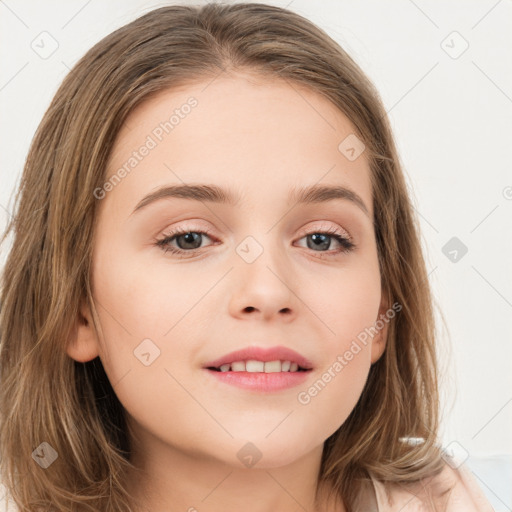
point(216, 297)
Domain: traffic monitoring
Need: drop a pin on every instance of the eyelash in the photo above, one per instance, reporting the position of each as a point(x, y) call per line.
point(346, 243)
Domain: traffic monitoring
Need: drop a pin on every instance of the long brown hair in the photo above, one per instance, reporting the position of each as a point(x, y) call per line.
point(46, 397)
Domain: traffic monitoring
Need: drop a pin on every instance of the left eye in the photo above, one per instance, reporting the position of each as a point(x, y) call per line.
point(187, 241)
point(190, 241)
point(323, 240)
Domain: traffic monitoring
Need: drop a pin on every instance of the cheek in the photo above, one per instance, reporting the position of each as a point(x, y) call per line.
point(345, 306)
point(130, 306)
point(345, 303)
point(137, 302)
point(144, 326)
point(337, 386)
point(345, 354)
point(346, 358)
point(147, 318)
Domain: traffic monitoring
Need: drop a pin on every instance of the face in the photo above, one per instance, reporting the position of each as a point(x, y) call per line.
point(179, 281)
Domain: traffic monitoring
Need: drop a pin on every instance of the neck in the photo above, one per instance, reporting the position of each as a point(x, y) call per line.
point(169, 478)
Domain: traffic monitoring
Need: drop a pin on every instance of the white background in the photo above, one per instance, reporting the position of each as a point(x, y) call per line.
point(452, 119)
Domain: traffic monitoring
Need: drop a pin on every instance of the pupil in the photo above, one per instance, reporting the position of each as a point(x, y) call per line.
point(190, 238)
point(319, 240)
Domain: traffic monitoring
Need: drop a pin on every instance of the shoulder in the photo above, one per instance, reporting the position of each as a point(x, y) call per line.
point(454, 489)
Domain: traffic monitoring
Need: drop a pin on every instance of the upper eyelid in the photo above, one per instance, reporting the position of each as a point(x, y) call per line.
point(198, 228)
point(331, 230)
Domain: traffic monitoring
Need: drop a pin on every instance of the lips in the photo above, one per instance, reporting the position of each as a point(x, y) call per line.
point(261, 354)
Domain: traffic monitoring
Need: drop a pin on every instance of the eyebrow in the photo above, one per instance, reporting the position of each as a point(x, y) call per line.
point(213, 194)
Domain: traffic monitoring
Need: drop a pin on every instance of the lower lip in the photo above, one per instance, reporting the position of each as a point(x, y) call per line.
point(259, 381)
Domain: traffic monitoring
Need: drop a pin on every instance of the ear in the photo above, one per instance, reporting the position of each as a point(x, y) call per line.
point(83, 344)
point(381, 325)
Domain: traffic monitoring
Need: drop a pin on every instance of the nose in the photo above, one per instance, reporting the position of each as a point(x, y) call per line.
point(263, 288)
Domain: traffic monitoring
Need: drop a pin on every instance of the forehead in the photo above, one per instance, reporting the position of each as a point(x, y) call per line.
point(243, 132)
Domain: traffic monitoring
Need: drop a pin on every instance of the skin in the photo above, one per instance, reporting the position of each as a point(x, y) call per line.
point(259, 138)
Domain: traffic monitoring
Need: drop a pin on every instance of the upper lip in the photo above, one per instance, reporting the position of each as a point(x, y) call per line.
point(262, 354)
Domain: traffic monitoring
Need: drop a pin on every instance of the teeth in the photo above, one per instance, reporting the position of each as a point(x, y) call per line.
point(239, 366)
point(272, 366)
point(254, 366)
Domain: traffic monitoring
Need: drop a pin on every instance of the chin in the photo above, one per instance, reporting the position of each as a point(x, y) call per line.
point(274, 451)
